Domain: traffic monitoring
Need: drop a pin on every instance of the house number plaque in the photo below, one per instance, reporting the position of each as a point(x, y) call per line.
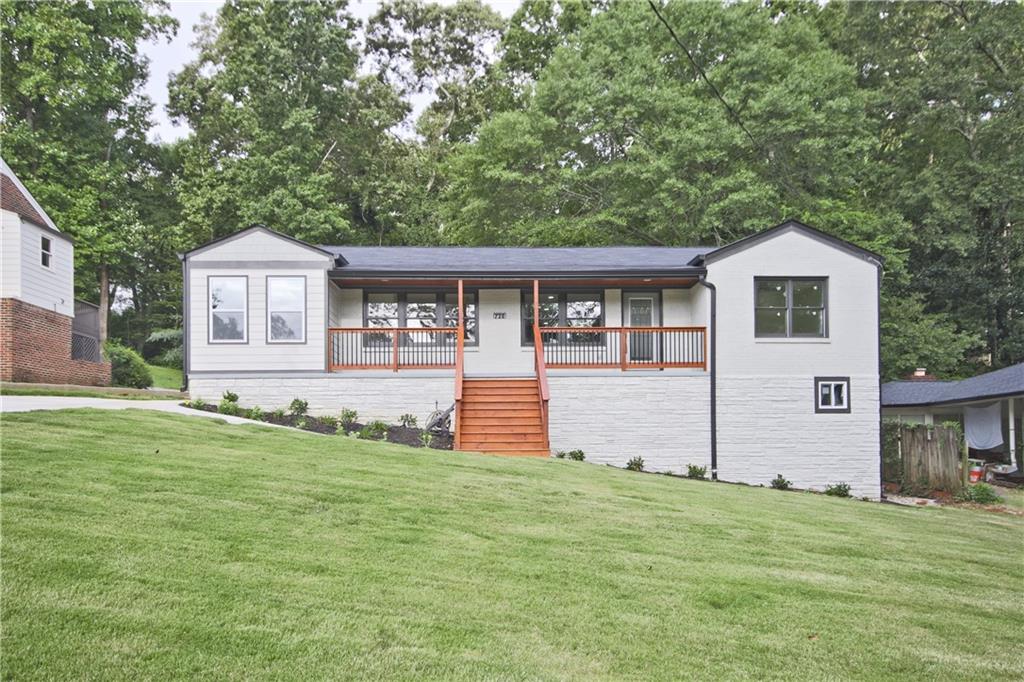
point(499, 316)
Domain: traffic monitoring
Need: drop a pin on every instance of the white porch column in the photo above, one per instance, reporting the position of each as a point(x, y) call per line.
point(1013, 434)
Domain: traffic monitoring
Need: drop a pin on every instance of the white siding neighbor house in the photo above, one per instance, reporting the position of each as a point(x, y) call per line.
point(754, 359)
point(41, 338)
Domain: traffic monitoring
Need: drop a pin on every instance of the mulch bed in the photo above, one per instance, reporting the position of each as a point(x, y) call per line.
point(402, 435)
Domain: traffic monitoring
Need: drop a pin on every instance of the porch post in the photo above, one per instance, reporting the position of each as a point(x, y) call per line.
point(1013, 435)
point(536, 303)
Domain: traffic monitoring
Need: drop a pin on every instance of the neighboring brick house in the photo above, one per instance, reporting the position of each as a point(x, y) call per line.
point(45, 335)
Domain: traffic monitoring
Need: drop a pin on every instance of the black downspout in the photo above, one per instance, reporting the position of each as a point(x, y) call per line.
point(184, 320)
point(714, 358)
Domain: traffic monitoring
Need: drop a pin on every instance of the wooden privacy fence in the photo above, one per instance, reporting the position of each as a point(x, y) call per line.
point(923, 457)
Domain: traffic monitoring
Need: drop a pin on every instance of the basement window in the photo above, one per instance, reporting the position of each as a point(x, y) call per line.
point(45, 251)
point(832, 394)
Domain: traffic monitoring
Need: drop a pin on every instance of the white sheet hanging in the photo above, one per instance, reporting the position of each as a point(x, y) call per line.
point(983, 426)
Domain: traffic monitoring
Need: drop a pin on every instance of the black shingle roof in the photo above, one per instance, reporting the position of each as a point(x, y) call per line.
point(1002, 382)
point(403, 260)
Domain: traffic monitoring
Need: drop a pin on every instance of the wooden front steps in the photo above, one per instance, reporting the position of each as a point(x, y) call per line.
point(502, 416)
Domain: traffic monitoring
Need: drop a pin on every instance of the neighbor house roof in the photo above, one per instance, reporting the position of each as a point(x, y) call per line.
point(1001, 383)
point(16, 198)
point(519, 261)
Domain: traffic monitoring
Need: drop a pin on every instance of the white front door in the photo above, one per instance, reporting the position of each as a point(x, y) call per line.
point(641, 311)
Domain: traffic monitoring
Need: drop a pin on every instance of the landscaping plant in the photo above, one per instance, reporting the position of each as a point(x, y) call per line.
point(348, 417)
point(229, 407)
point(576, 455)
point(780, 483)
point(838, 490)
point(127, 368)
point(408, 420)
point(298, 407)
point(230, 396)
point(635, 464)
point(694, 471)
point(979, 493)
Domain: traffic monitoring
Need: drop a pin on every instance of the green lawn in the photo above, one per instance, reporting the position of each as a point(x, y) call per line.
point(166, 377)
point(86, 392)
point(139, 545)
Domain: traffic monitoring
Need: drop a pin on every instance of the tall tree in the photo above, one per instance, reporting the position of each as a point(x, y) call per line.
point(945, 82)
point(74, 120)
point(285, 132)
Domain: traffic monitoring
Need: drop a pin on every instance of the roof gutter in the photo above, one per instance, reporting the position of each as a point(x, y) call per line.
point(340, 273)
point(714, 359)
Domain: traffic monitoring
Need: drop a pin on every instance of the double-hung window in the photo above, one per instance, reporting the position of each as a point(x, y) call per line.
point(286, 309)
point(790, 307)
point(564, 309)
point(229, 309)
point(45, 251)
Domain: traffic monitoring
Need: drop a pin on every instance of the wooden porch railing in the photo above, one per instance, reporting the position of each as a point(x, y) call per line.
point(394, 348)
point(624, 347)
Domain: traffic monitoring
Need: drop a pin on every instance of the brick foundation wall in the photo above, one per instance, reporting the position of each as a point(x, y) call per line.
point(35, 346)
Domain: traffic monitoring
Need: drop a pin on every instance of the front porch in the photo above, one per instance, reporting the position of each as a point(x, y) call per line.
point(489, 326)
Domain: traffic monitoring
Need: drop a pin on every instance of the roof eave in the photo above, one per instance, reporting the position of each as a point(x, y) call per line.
point(511, 274)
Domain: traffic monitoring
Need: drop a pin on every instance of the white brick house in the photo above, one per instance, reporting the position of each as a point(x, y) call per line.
point(754, 359)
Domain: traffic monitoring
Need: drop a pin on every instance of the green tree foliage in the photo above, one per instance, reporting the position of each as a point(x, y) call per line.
point(944, 82)
point(74, 121)
point(897, 126)
point(285, 131)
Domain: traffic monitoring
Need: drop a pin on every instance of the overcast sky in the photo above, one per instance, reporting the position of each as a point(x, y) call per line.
point(167, 58)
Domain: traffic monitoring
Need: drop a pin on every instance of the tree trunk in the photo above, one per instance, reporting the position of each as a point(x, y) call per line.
point(104, 302)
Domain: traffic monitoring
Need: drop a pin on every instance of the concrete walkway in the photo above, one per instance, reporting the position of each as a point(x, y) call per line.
point(29, 403)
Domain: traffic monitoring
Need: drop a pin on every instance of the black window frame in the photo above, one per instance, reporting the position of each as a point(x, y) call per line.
point(401, 298)
point(789, 308)
point(526, 324)
point(46, 252)
point(826, 409)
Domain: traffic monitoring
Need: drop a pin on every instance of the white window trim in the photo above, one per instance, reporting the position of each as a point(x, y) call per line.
point(832, 381)
point(48, 251)
point(209, 311)
point(270, 311)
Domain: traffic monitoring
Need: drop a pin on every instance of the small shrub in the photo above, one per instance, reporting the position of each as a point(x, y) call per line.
point(425, 439)
point(328, 421)
point(694, 471)
point(127, 368)
point(301, 423)
point(375, 430)
point(838, 490)
point(230, 396)
point(408, 420)
point(255, 413)
point(635, 464)
point(298, 407)
point(560, 454)
point(348, 417)
point(278, 413)
point(576, 455)
point(779, 483)
point(229, 407)
point(979, 493)
point(197, 404)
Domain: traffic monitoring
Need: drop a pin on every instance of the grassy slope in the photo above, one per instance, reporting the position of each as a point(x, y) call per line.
point(148, 545)
point(166, 377)
point(87, 392)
